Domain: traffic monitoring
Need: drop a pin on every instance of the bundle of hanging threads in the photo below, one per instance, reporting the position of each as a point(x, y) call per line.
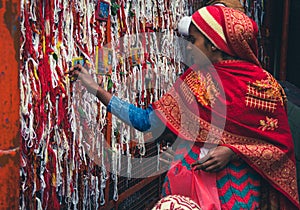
point(71, 146)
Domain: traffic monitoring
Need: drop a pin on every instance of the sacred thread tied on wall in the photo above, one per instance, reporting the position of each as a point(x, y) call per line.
point(71, 146)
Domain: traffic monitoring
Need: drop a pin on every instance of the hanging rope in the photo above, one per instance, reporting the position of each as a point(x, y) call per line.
point(71, 146)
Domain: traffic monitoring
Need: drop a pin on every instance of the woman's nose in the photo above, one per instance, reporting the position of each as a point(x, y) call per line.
point(189, 46)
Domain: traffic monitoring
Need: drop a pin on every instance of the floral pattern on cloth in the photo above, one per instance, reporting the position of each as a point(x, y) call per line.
point(264, 94)
point(268, 124)
point(201, 86)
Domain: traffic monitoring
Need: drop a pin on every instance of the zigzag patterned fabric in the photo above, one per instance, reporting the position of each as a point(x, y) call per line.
point(238, 187)
point(238, 184)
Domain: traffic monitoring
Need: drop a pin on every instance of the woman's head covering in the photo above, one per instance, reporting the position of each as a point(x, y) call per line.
point(230, 30)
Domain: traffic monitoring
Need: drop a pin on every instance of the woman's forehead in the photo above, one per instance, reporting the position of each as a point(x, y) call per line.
point(194, 31)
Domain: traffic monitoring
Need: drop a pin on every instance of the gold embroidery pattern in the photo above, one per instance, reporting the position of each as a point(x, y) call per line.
point(268, 124)
point(203, 88)
point(239, 30)
point(265, 94)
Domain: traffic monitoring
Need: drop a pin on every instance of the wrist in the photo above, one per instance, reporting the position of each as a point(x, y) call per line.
point(93, 89)
point(103, 95)
point(98, 92)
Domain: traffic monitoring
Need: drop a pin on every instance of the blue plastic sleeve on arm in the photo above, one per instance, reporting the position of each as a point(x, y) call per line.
point(141, 119)
point(119, 108)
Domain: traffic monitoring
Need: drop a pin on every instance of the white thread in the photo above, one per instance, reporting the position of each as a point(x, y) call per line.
point(31, 9)
point(104, 176)
point(158, 157)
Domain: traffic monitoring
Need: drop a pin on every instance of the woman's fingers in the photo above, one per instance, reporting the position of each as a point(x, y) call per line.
point(75, 68)
point(208, 166)
point(201, 161)
point(74, 72)
point(215, 160)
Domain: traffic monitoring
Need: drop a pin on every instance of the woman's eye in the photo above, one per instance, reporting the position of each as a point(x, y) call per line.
point(190, 39)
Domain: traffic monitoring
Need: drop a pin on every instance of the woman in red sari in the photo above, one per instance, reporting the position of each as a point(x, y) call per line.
point(234, 149)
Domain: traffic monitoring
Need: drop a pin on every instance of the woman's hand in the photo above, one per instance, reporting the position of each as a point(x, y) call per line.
point(217, 159)
point(79, 72)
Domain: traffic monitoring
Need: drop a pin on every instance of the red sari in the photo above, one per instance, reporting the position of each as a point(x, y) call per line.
point(239, 105)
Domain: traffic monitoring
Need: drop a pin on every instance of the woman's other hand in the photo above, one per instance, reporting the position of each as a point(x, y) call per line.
point(217, 159)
